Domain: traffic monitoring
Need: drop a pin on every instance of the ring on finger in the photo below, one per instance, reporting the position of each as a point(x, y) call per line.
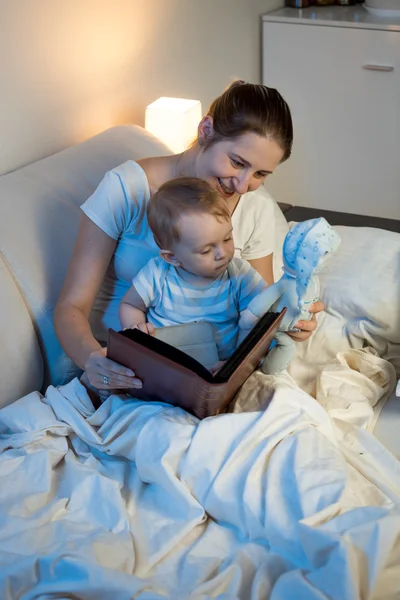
point(106, 380)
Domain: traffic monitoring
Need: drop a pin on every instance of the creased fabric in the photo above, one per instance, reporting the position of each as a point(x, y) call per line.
point(142, 500)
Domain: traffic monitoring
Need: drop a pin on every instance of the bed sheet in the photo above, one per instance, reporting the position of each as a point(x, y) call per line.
point(292, 499)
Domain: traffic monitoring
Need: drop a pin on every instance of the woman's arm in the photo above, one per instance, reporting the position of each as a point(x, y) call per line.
point(264, 266)
point(92, 254)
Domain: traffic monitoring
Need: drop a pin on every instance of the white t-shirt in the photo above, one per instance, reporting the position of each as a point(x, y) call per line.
point(118, 206)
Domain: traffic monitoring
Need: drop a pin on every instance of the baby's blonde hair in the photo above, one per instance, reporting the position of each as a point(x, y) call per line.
point(178, 197)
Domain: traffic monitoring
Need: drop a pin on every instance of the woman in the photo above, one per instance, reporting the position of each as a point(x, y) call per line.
point(245, 135)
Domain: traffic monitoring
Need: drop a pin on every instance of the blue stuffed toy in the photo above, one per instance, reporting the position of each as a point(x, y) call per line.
point(305, 250)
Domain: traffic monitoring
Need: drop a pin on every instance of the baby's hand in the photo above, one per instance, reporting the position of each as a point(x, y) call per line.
point(145, 327)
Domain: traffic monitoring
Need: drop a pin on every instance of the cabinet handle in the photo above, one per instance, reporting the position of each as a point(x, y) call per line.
point(378, 67)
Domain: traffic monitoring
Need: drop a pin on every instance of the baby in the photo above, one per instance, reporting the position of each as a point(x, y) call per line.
point(196, 276)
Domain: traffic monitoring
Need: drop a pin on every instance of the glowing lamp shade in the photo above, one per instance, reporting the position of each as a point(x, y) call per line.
point(174, 121)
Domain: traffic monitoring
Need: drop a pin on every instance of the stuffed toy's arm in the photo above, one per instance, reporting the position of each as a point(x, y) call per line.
point(279, 357)
point(257, 308)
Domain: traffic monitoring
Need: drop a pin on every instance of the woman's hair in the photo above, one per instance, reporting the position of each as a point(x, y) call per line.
point(177, 197)
point(252, 107)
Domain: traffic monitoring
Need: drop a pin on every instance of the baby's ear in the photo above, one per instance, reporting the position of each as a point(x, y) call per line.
point(170, 258)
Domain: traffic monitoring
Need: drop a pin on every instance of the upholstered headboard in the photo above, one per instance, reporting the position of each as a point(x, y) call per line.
point(39, 216)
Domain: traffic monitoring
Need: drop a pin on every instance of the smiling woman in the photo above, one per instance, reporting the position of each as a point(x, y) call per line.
point(246, 133)
point(243, 163)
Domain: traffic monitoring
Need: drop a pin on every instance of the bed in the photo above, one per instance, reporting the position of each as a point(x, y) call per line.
point(296, 494)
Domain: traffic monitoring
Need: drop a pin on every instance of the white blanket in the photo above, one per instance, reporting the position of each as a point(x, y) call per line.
point(141, 500)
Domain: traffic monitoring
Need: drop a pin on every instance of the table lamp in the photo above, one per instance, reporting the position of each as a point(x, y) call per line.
point(174, 121)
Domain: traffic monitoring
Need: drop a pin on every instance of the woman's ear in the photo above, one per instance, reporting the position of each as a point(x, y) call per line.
point(170, 258)
point(205, 130)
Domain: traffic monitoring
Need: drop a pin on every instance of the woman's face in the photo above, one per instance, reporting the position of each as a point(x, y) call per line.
point(234, 167)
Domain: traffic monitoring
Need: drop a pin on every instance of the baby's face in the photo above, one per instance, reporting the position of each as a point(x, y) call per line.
point(206, 245)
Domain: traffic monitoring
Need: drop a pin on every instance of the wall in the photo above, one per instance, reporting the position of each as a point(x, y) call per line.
point(70, 69)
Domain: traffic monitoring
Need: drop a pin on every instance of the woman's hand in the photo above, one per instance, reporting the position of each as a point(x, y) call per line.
point(103, 373)
point(307, 327)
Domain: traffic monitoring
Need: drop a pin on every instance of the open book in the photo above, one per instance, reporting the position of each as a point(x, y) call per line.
point(170, 375)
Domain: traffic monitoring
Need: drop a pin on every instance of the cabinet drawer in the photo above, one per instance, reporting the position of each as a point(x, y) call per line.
point(343, 87)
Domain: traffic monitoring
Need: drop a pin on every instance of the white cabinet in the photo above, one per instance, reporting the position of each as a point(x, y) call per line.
point(341, 80)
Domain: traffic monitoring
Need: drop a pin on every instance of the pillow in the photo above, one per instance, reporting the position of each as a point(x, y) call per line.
point(360, 286)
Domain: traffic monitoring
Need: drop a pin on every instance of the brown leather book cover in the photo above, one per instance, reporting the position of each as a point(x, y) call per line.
point(169, 375)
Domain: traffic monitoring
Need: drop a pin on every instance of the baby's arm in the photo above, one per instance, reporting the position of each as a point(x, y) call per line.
point(132, 312)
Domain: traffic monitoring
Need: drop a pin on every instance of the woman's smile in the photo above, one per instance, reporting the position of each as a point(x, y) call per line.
point(226, 191)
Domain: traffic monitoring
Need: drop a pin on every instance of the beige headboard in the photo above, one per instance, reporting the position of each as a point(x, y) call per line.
point(39, 216)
